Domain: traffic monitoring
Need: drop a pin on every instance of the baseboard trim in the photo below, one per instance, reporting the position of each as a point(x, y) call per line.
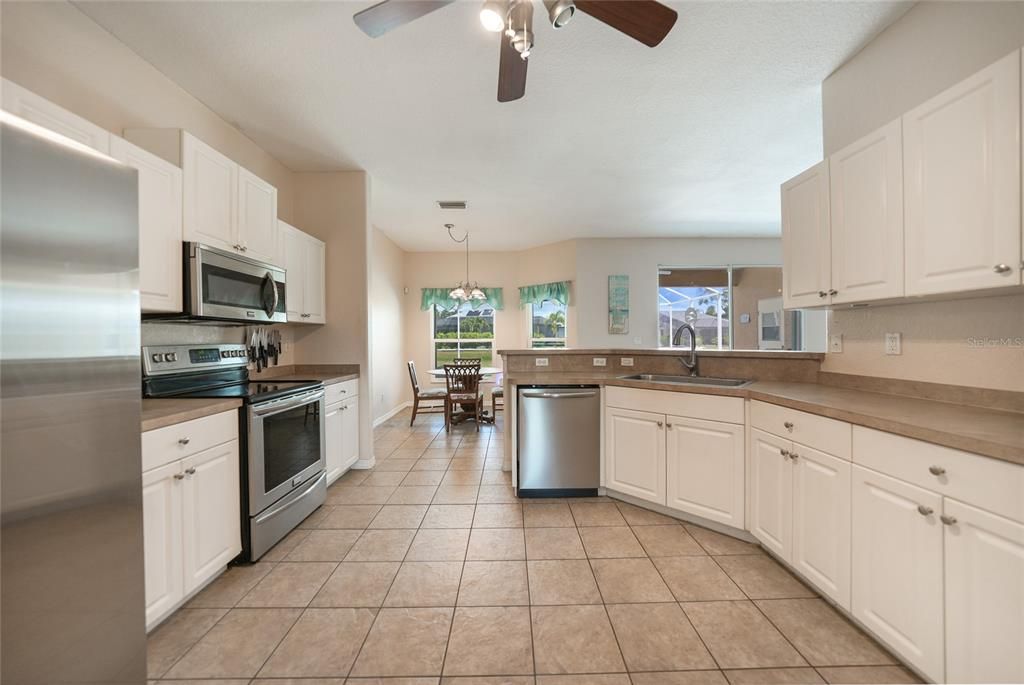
point(393, 412)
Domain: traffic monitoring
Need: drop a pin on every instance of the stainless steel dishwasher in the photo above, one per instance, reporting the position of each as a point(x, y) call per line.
point(559, 440)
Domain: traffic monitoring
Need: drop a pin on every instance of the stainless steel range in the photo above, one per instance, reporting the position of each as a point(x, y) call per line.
point(281, 429)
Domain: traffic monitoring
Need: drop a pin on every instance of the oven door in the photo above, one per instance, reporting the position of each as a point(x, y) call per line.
point(228, 287)
point(286, 446)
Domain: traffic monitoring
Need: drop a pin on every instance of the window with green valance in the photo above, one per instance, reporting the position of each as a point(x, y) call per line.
point(545, 292)
point(439, 296)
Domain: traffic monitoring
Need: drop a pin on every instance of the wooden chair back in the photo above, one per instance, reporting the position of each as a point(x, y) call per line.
point(462, 379)
point(464, 361)
point(412, 377)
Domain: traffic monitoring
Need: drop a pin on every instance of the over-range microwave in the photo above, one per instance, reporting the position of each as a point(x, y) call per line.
point(222, 286)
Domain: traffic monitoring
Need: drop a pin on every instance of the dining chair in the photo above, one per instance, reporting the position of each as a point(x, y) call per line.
point(418, 394)
point(497, 393)
point(462, 382)
point(466, 361)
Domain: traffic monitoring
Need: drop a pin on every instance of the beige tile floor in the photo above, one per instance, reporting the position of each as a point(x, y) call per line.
point(428, 570)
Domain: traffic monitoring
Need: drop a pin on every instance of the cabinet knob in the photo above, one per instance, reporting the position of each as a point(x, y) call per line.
point(794, 456)
point(822, 293)
point(784, 453)
point(668, 425)
point(191, 470)
point(936, 470)
point(924, 511)
point(1002, 268)
point(183, 441)
point(179, 476)
point(660, 424)
point(947, 519)
point(833, 292)
point(789, 426)
point(237, 247)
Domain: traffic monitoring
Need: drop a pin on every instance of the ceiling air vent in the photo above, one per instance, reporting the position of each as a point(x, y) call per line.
point(451, 204)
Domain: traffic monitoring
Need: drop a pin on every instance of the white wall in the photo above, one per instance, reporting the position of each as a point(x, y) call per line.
point(596, 259)
point(933, 46)
point(390, 383)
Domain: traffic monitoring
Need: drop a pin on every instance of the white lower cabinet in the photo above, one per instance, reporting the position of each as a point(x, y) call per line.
point(705, 466)
point(191, 510)
point(984, 595)
point(898, 567)
point(771, 501)
point(341, 427)
point(635, 453)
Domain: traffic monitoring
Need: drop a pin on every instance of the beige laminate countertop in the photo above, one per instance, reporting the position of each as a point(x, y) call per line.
point(167, 412)
point(982, 431)
point(327, 378)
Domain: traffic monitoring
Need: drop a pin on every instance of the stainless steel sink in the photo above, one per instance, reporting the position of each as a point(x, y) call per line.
point(687, 380)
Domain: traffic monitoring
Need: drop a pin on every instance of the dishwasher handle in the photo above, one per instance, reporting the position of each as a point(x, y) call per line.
point(558, 395)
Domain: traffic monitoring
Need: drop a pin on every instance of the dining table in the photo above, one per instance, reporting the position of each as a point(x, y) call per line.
point(467, 409)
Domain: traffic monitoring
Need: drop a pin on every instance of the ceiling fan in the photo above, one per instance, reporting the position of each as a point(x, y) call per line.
point(645, 20)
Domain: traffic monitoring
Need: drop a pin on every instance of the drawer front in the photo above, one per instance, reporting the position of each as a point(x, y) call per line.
point(689, 405)
point(164, 445)
point(819, 432)
point(986, 483)
point(336, 392)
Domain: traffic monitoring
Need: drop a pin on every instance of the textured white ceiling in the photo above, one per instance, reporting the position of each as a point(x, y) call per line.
point(613, 139)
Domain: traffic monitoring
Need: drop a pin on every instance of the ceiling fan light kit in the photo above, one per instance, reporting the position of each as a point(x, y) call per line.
point(647, 21)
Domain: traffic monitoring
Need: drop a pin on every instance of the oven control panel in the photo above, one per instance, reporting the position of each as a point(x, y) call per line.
point(158, 360)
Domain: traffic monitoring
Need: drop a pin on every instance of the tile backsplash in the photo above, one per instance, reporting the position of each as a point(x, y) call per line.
point(154, 333)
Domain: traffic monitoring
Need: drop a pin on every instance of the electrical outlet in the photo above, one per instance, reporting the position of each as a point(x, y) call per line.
point(835, 343)
point(893, 343)
point(626, 361)
point(600, 361)
point(540, 361)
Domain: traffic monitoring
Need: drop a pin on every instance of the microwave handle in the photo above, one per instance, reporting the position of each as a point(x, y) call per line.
point(273, 284)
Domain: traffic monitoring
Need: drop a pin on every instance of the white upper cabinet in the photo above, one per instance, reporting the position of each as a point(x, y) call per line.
point(257, 217)
point(160, 226)
point(705, 469)
point(635, 453)
point(30, 107)
point(866, 201)
point(806, 259)
point(304, 262)
point(962, 154)
point(984, 595)
point(211, 189)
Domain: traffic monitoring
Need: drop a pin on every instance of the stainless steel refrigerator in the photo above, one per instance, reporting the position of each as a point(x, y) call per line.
point(71, 556)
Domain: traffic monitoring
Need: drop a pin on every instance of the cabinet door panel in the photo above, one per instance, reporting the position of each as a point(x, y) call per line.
point(635, 453)
point(210, 195)
point(866, 200)
point(161, 535)
point(771, 502)
point(897, 567)
point(984, 596)
point(963, 184)
point(160, 226)
point(350, 432)
point(806, 259)
point(821, 521)
point(316, 254)
point(295, 268)
point(705, 469)
point(257, 217)
point(212, 518)
point(334, 442)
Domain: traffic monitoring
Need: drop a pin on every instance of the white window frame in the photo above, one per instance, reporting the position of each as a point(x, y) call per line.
point(529, 330)
point(458, 341)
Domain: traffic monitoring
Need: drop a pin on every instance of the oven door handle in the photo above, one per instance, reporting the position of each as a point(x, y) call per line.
point(271, 513)
point(277, 406)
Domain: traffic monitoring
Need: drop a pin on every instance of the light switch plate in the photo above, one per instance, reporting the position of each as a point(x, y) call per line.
point(540, 361)
point(893, 343)
point(600, 361)
point(835, 343)
point(638, 340)
point(626, 361)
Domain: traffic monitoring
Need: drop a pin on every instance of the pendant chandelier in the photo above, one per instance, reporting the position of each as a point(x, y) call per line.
point(464, 290)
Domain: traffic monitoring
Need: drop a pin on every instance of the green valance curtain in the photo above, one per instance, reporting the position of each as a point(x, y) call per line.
point(537, 294)
point(439, 296)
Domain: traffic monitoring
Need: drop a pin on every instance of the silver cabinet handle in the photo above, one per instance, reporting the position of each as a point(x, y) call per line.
point(784, 453)
point(822, 293)
point(947, 519)
point(833, 292)
point(788, 425)
point(924, 511)
point(183, 441)
point(191, 470)
point(1002, 268)
point(936, 470)
point(237, 247)
point(794, 456)
point(179, 476)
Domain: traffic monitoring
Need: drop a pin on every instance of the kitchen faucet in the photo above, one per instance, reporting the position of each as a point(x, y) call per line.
point(690, 363)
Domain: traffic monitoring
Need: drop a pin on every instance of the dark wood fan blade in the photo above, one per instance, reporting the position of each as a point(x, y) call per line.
point(377, 20)
point(645, 20)
point(511, 72)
